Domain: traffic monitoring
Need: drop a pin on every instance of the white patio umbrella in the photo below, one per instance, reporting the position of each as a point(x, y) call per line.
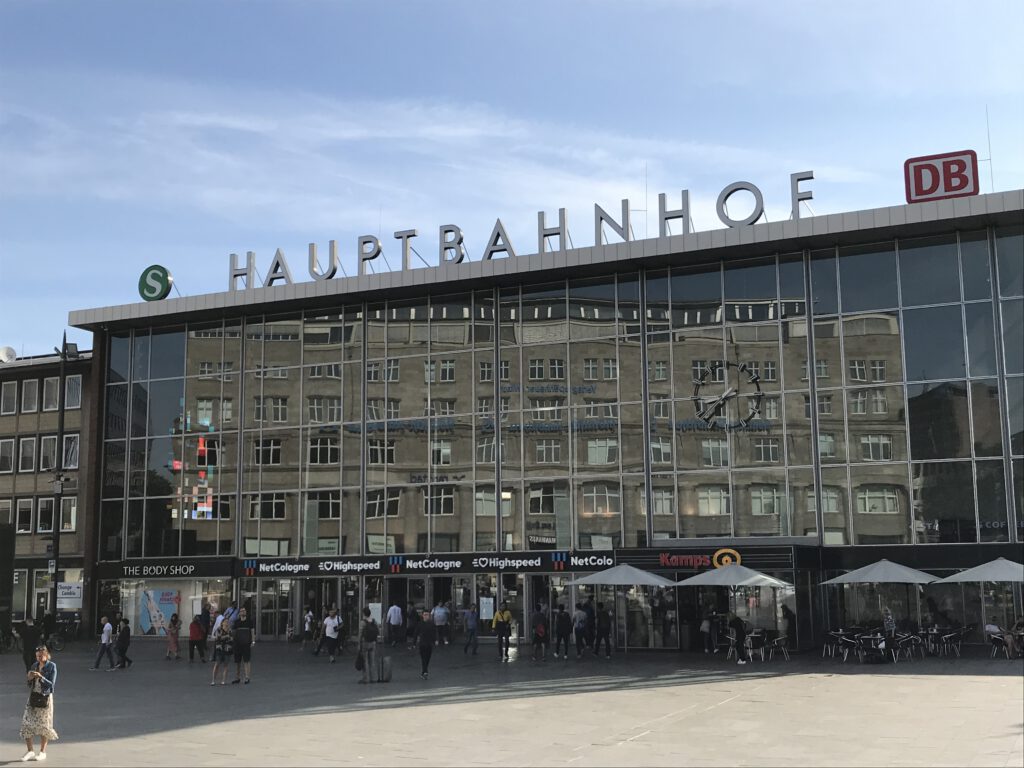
point(734, 575)
point(999, 569)
point(624, 576)
point(884, 572)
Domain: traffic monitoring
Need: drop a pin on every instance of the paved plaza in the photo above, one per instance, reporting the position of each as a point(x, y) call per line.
point(640, 709)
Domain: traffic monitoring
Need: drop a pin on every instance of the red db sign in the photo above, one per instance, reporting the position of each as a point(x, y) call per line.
point(935, 177)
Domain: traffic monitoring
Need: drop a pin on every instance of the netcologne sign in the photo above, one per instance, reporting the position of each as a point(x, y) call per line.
point(451, 248)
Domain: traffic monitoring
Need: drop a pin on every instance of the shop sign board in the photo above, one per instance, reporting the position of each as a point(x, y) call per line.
point(69, 596)
point(167, 568)
point(938, 177)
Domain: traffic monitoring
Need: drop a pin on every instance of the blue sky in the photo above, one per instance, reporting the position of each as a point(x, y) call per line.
point(177, 133)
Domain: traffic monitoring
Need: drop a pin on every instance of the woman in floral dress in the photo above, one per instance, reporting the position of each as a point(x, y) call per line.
point(38, 720)
point(173, 630)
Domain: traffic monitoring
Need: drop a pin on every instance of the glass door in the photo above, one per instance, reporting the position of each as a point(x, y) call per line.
point(513, 592)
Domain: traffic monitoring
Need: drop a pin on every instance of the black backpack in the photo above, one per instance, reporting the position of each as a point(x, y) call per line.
point(563, 623)
point(370, 631)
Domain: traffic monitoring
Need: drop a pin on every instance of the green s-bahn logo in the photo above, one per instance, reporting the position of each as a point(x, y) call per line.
point(155, 283)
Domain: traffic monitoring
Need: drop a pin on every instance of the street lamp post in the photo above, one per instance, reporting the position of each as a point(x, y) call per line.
point(66, 352)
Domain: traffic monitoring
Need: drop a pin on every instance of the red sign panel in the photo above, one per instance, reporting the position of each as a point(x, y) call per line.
point(937, 177)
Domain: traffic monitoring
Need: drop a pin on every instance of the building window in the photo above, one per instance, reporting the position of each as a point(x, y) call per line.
point(8, 398)
point(323, 505)
point(429, 372)
point(23, 518)
point(204, 411)
point(259, 411)
point(712, 500)
point(71, 446)
point(44, 515)
point(765, 500)
point(770, 408)
point(590, 369)
point(699, 369)
point(876, 447)
point(601, 409)
point(858, 403)
point(824, 405)
point(556, 368)
point(73, 392)
point(327, 370)
point(766, 450)
point(373, 371)
point(68, 513)
point(878, 500)
point(601, 499)
point(391, 370)
point(485, 450)
point(827, 445)
point(50, 388)
point(267, 506)
point(602, 450)
point(47, 453)
point(661, 450)
point(879, 402)
point(227, 410)
point(439, 500)
point(27, 454)
point(821, 369)
point(324, 409)
point(830, 496)
point(878, 370)
point(536, 369)
point(29, 396)
point(380, 452)
point(657, 370)
point(661, 407)
point(858, 370)
point(266, 451)
point(438, 407)
point(546, 408)
point(207, 452)
point(378, 408)
point(440, 453)
point(504, 370)
point(543, 497)
point(279, 409)
point(611, 369)
point(486, 371)
point(324, 450)
point(771, 371)
point(5, 512)
point(7, 455)
point(663, 501)
point(714, 452)
point(485, 406)
point(381, 503)
point(549, 451)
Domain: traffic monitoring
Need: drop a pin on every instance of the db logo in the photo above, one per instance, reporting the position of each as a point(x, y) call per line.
point(936, 177)
point(725, 556)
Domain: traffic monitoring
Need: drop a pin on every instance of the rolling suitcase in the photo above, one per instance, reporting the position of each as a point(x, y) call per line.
point(384, 669)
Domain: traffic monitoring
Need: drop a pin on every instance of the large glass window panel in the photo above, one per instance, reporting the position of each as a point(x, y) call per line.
point(799, 437)
point(167, 349)
point(203, 405)
point(1018, 495)
point(1013, 335)
point(974, 265)
point(1010, 260)
point(166, 406)
point(705, 507)
point(483, 319)
point(548, 515)
point(380, 503)
point(881, 504)
point(664, 441)
point(140, 355)
point(835, 506)
point(408, 329)
point(279, 454)
point(1015, 401)
point(451, 524)
point(352, 446)
point(939, 421)
point(696, 296)
point(322, 457)
point(451, 319)
point(451, 382)
point(544, 313)
point(137, 468)
point(874, 340)
point(161, 531)
point(867, 276)
point(756, 347)
point(351, 521)
point(992, 500)
point(658, 307)
point(598, 513)
point(791, 286)
point(118, 366)
point(934, 341)
point(116, 411)
point(627, 367)
point(826, 367)
point(139, 408)
point(760, 505)
point(204, 350)
point(352, 391)
point(277, 514)
point(631, 441)
point(802, 503)
point(253, 344)
point(320, 522)
point(944, 502)
point(824, 292)
point(597, 445)
point(485, 513)
point(592, 309)
point(694, 350)
point(629, 303)
point(512, 505)
point(111, 530)
point(664, 503)
point(981, 348)
point(929, 271)
point(322, 339)
point(634, 506)
point(509, 330)
point(750, 291)
point(659, 364)
point(988, 438)
point(163, 465)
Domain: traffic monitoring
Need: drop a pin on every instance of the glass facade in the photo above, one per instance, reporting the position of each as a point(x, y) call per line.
point(721, 400)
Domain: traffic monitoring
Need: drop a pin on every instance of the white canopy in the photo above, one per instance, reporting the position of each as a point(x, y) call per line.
point(999, 569)
point(626, 576)
point(883, 572)
point(734, 575)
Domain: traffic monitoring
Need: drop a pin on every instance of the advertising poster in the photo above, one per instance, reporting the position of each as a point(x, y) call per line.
point(155, 609)
point(486, 608)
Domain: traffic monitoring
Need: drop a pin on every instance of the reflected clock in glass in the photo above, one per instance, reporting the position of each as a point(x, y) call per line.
point(731, 403)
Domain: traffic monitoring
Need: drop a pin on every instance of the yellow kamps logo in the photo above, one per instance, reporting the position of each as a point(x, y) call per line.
point(726, 556)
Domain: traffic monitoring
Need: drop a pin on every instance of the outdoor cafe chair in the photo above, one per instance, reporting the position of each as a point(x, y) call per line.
point(953, 641)
point(998, 643)
point(778, 644)
point(732, 645)
point(847, 644)
point(908, 643)
point(870, 646)
point(755, 643)
point(831, 644)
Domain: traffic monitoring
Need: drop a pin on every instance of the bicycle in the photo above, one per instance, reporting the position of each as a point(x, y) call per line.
point(9, 641)
point(65, 632)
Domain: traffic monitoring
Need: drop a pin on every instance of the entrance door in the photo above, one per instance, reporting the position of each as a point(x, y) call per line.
point(513, 591)
point(275, 602)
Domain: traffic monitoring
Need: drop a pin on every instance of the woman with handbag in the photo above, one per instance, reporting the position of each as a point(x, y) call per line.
point(38, 717)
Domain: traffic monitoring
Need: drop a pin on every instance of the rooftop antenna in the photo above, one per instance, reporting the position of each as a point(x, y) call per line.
point(988, 134)
point(8, 355)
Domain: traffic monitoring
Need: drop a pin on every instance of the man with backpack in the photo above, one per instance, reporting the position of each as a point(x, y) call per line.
point(603, 626)
point(539, 622)
point(563, 628)
point(368, 634)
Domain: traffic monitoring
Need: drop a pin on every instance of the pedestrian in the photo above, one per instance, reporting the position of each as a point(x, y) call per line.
point(217, 618)
point(705, 630)
point(740, 634)
point(440, 617)
point(603, 628)
point(204, 619)
point(395, 620)
point(888, 623)
point(38, 718)
point(124, 640)
point(49, 626)
point(106, 640)
point(588, 609)
point(196, 640)
point(579, 628)
point(31, 638)
point(563, 628)
point(223, 650)
point(243, 637)
point(426, 638)
point(173, 630)
point(332, 627)
point(231, 615)
point(307, 628)
point(369, 632)
point(472, 619)
point(539, 624)
point(502, 626)
point(412, 620)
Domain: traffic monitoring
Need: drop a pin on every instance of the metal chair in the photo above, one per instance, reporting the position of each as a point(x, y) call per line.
point(998, 643)
point(831, 645)
point(732, 645)
point(778, 644)
point(847, 644)
point(755, 643)
point(952, 642)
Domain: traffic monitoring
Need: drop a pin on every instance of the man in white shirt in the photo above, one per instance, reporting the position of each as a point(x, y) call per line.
point(395, 620)
point(105, 644)
point(307, 628)
point(332, 627)
point(440, 617)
